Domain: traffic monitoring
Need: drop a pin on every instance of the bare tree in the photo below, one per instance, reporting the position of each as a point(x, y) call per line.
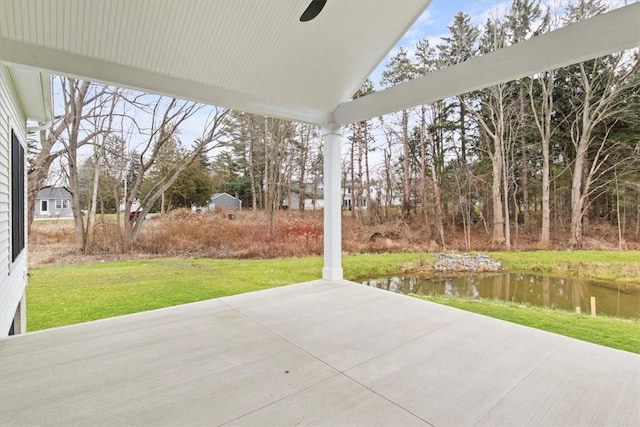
point(542, 108)
point(86, 103)
point(304, 147)
point(104, 121)
point(493, 118)
point(166, 118)
point(597, 102)
point(78, 104)
point(493, 123)
point(602, 82)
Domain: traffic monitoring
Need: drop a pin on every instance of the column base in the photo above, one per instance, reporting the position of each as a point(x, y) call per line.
point(332, 274)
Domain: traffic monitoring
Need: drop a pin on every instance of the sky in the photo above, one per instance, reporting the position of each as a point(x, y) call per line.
point(433, 23)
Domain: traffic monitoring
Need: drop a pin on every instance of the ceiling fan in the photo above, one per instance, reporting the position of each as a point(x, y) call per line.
point(314, 8)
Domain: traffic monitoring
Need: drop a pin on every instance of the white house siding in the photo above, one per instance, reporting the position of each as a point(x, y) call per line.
point(12, 275)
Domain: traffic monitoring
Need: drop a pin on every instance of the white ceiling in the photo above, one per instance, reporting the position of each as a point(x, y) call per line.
point(255, 55)
point(246, 54)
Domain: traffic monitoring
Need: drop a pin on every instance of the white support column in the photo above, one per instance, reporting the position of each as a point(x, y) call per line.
point(332, 137)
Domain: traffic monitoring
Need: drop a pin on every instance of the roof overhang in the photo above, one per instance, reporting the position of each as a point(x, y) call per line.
point(33, 89)
point(257, 57)
point(253, 56)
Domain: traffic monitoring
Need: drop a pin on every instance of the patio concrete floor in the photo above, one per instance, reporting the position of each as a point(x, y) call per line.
point(317, 353)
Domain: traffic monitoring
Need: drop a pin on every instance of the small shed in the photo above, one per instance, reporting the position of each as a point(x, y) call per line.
point(53, 202)
point(225, 201)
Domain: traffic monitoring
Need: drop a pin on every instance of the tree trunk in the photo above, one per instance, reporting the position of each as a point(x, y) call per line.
point(437, 196)
point(91, 217)
point(546, 211)
point(505, 186)
point(463, 132)
point(581, 146)
point(525, 162)
point(497, 236)
point(575, 238)
point(586, 225)
point(252, 165)
point(423, 173)
point(72, 158)
point(543, 123)
point(388, 183)
point(406, 181)
point(359, 178)
point(465, 197)
point(350, 183)
point(620, 240)
point(75, 199)
point(304, 155)
point(367, 185)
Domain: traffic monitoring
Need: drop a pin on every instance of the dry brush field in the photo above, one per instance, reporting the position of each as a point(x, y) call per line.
point(256, 235)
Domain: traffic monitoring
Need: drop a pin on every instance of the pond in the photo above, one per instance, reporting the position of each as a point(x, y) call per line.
point(557, 293)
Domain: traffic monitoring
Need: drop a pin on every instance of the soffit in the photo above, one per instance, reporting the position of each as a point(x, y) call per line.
point(249, 55)
point(255, 56)
point(34, 93)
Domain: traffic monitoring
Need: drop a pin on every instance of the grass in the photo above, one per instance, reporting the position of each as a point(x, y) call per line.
point(619, 266)
point(607, 331)
point(367, 266)
point(64, 295)
point(68, 294)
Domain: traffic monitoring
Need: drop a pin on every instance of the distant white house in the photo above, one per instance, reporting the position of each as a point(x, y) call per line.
point(53, 202)
point(225, 201)
point(376, 193)
point(292, 201)
point(313, 197)
point(25, 94)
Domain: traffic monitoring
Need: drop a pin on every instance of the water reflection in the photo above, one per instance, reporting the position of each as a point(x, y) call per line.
point(566, 294)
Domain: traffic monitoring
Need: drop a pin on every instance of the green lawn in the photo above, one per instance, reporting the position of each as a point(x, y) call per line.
point(68, 294)
point(623, 334)
point(63, 295)
point(619, 266)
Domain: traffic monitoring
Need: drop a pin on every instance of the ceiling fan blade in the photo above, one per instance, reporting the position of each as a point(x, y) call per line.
point(314, 8)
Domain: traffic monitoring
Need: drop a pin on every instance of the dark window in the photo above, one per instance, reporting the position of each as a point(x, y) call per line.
point(44, 205)
point(17, 197)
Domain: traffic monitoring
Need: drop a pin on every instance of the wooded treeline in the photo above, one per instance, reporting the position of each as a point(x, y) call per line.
point(548, 152)
point(551, 152)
